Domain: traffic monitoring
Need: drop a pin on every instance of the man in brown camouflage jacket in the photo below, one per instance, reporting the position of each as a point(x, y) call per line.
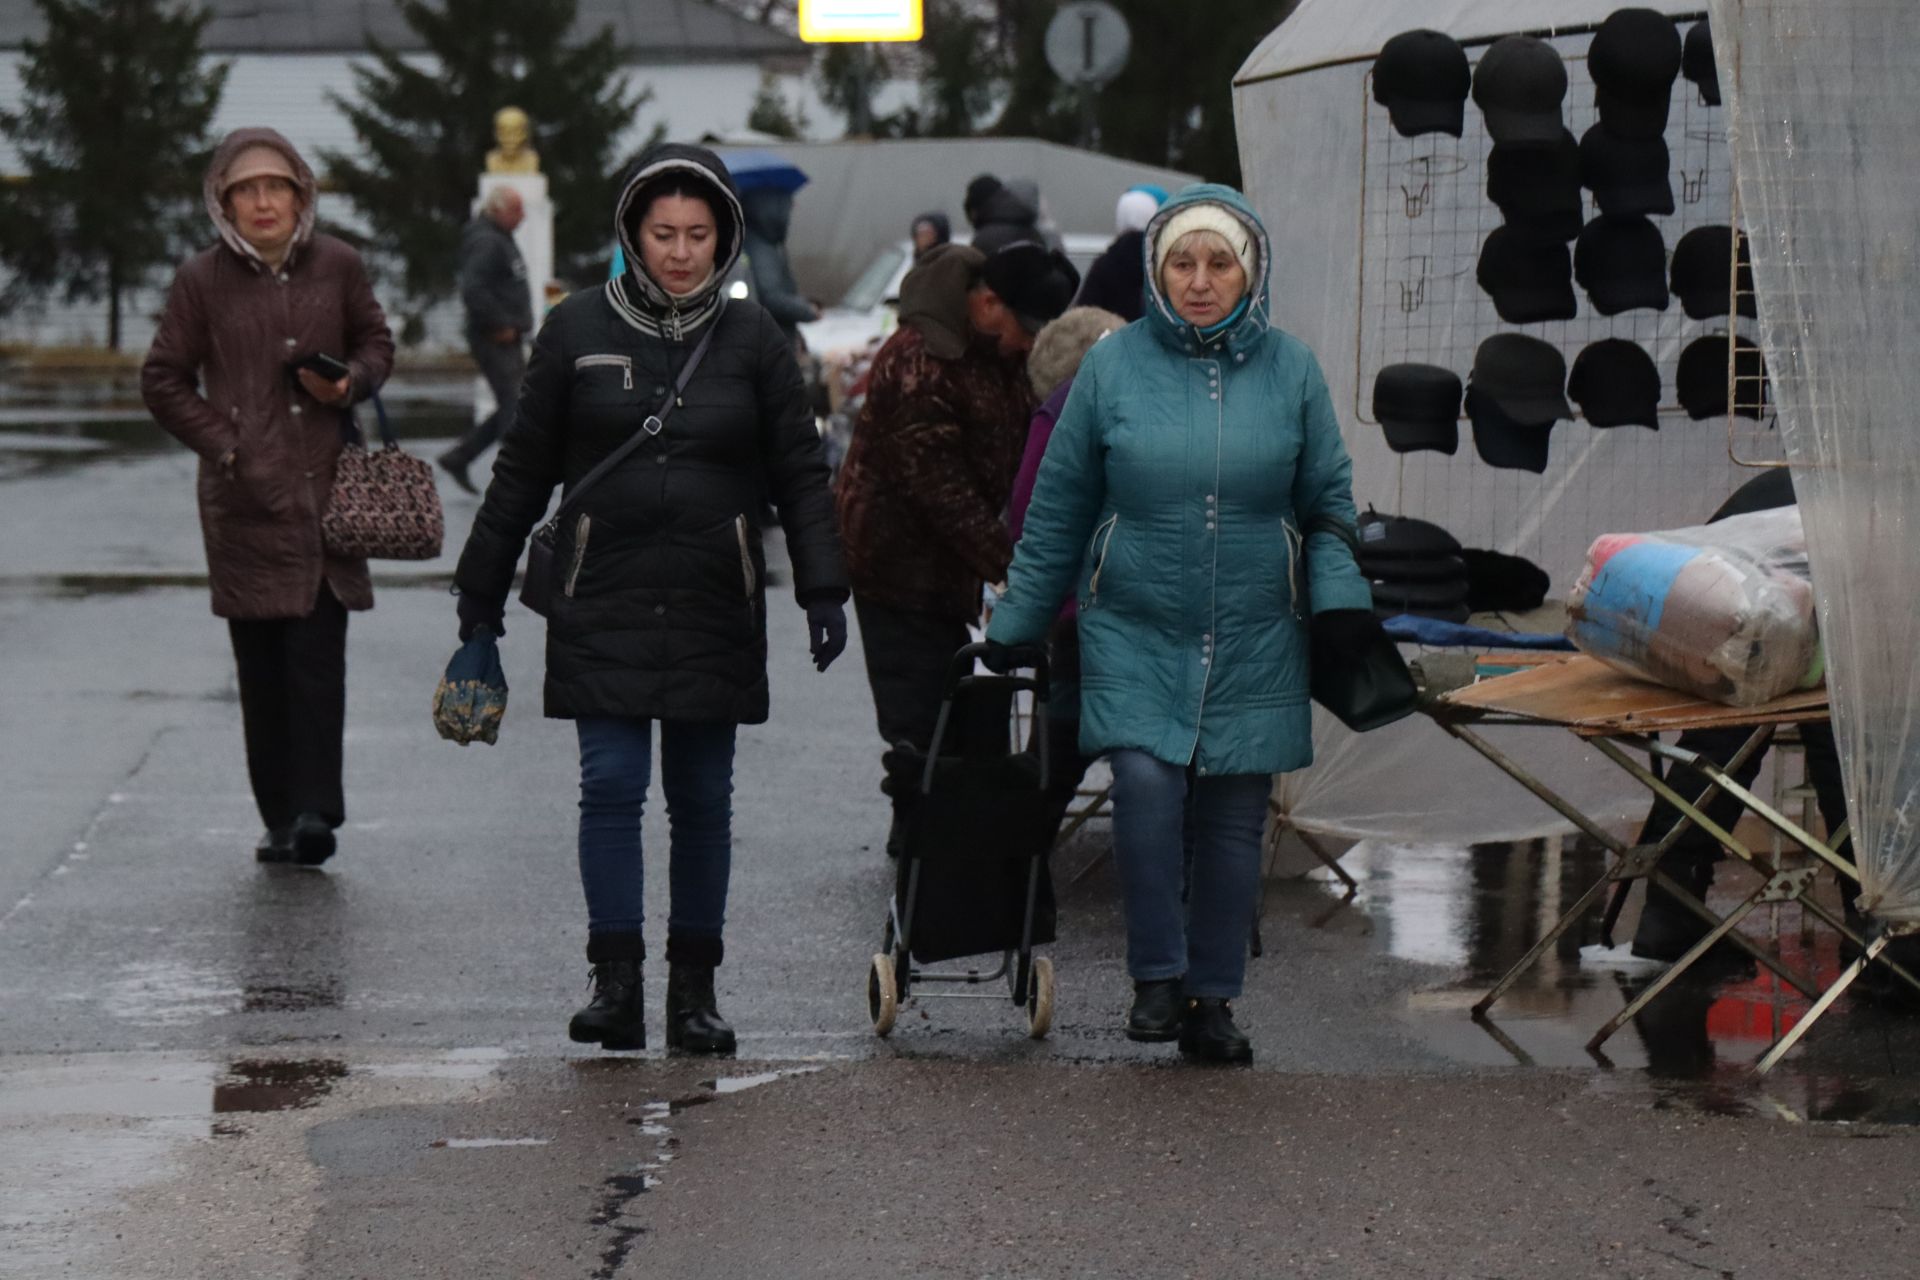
point(932, 461)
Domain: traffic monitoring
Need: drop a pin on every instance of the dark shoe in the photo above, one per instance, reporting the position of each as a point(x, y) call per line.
point(275, 846)
point(1208, 1033)
point(312, 840)
point(1156, 1014)
point(616, 1016)
point(456, 468)
point(694, 1024)
point(1667, 928)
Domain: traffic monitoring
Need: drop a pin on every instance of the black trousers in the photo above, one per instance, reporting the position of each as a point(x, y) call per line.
point(908, 657)
point(1695, 847)
point(293, 702)
point(502, 365)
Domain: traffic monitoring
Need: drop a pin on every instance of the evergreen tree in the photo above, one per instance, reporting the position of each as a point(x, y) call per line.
point(112, 134)
point(425, 131)
point(772, 114)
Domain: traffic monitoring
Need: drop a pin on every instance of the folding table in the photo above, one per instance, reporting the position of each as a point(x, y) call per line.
point(1621, 716)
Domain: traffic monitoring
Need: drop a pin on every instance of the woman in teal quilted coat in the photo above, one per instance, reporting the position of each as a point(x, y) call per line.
point(1197, 444)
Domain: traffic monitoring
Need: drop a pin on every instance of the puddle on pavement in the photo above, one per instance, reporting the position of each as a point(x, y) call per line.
point(275, 1084)
point(1479, 909)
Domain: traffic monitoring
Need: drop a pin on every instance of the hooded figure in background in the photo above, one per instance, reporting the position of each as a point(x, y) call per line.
point(930, 230)
point(221, 378)
point(1117, 280)
point(660, 611)
point(769, 212)
point(1004, 214)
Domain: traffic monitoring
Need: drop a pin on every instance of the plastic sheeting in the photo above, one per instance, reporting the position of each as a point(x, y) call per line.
point(1375, 240)
point(1824, 97)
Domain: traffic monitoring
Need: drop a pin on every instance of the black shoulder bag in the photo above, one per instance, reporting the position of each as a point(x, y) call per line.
point(1366, 687)
point(536, 590)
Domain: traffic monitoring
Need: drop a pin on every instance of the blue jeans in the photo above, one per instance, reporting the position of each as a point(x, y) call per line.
point(696, 774)
point(1204, 939)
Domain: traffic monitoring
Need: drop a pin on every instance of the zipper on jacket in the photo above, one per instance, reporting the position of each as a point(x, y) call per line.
point(622, 363)
point(747, 575)
point(581, 528)
point(1110, 527)
point(1295, 549)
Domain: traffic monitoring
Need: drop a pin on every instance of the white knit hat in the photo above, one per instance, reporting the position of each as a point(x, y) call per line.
point(1208, 216)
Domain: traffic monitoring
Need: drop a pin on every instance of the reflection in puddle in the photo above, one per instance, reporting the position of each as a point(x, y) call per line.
point(269, 1084)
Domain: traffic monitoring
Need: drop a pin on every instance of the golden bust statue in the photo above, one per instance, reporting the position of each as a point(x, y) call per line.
point(511, 130)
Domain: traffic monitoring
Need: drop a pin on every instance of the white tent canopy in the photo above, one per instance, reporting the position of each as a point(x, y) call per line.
point(1376, 239)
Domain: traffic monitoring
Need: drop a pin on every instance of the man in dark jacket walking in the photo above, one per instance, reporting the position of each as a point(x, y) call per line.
point(493, 288)
point(932, 460)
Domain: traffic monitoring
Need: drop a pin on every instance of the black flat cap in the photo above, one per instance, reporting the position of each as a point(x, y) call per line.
point(1418, 407)
point(1519, 86)
point(1528, 274)
point(1702, 277)
point(1616, 385)
point(1701, 379)
point(1421, 78)
point(1622, 264)
point(1500, 583)
point(1525, 377)
point(1385, 538)
point(1409, 597)
point(1538, 187)
point(1634, 60)
point(1697, 62)
point(1627, 176)
point(1035, 282)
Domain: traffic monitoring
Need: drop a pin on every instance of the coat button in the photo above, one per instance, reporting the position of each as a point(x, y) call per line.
point(659, 459)
point(659, 609)
point(1202, 771)
point(296, 408)
point(290, 342)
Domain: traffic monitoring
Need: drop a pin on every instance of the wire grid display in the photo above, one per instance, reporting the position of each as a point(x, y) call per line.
point(1424, 217)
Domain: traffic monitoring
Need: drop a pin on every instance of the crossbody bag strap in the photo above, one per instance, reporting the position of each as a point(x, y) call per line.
point(649, 428)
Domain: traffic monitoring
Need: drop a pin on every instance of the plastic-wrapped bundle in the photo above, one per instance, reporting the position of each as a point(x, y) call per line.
point(1724, 610)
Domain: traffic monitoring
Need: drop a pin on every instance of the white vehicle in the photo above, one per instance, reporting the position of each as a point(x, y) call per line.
point(870, 308)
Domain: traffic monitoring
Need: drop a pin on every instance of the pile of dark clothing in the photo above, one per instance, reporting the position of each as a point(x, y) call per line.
point(1415, 566)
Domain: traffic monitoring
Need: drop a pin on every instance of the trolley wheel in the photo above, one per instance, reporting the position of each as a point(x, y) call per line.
point(883, 994)
point(1040, 998)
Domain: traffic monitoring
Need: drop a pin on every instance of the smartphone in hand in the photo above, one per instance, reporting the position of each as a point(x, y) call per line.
point(323, 365)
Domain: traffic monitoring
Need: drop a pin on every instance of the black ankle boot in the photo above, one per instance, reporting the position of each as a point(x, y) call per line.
point(275, 846)
point(1157, 1008)
point(1208, 1033)
point(694, 1024)
point(312, 839)
point(616, 1016)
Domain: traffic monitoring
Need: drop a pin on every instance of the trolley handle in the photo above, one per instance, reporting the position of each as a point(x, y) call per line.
point(1025, 656)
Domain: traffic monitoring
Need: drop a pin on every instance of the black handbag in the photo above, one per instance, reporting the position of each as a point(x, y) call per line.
point(537, 587)
point(1366, 687)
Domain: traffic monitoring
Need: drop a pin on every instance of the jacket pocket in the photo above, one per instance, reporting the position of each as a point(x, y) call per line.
point(1099, 546)
point(581, 528)
point(623, 363)
point(749, 579)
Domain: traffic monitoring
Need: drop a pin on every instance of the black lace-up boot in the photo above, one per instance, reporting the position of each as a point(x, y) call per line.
point(1156, 1012)
point(1208, 1033)
point(694, 1024)
point(616, 1016)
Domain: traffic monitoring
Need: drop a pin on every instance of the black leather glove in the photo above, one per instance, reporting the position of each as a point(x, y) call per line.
point(999, 658)
point(1344, 630)
point(826, 633)
point(475, 612)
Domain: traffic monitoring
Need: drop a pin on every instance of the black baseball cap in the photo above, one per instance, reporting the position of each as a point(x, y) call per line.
point(1538, 187)
point(1036, 283)
point(1626, 175)
point(1420, 568)
point(1528, 274)
point(1525, 377)
point(1399, 596)
point(1702, 274)
point(1634, 60)
point(1697, 64)
point(1622, 264)
point(1616, 385)
point(1402, 538)
point(1504, 442)
point(1421, 78)
point(1701, 379)
point(1500, 583)
point(1418, 407)
point(1519, 86)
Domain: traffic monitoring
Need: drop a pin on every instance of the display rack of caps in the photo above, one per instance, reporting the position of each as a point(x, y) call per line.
point(1415, 566)
point(1536, 175)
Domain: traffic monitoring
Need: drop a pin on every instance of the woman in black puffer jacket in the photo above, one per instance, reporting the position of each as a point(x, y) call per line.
point(661, 600)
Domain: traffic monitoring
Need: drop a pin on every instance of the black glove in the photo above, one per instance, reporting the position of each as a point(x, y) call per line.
point(999, 658)
point(826, 633)
point(475, 612)
point(1344, 630)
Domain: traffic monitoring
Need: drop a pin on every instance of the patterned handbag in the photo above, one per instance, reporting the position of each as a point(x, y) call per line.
point(384, 504)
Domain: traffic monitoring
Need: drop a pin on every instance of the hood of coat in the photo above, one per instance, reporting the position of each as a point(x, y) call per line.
point(1016, 203)
point(933, 297)
point(1254, 320)
point(706, 168)
point(232, 145)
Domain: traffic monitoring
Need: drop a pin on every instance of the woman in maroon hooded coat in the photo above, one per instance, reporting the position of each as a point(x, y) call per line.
point(221, 377)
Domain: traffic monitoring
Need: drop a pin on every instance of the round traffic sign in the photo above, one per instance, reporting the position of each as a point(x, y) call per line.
point(1088, 42)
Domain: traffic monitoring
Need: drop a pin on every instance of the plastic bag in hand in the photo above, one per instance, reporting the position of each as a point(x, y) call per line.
point(472, 697)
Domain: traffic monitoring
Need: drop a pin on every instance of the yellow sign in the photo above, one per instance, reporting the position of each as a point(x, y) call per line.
point(828, 21)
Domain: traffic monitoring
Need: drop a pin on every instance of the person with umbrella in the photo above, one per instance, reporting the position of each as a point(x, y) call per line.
point(767, 184)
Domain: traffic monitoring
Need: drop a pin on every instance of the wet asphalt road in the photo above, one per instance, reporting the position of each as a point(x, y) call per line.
point(211, 1069)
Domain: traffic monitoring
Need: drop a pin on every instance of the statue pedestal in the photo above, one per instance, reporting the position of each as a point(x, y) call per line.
point(534, 236)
